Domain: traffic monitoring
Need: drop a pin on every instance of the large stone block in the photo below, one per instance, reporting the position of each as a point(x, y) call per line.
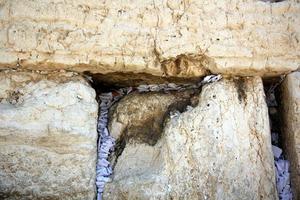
point(291, 127)
point(48, 137)
point(218, 149)
point(171, 38)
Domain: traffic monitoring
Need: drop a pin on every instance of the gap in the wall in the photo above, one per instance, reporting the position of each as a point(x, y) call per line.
point(273, 100)
point(130, 79)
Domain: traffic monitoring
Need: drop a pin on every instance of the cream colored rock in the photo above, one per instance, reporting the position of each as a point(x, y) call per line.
point(291, 127)
point(220, 149)
point(48, 137)
point(162, 38)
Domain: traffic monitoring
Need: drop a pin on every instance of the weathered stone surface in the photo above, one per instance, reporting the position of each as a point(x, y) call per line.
point(147, 113)
point(291, 127)
point(48, 137)
point(220, 149)
point(162, 38)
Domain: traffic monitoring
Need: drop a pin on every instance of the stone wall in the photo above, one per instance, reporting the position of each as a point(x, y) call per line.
point(219, 148)
point(291, 126)
point(48, 137)
point(162, 38)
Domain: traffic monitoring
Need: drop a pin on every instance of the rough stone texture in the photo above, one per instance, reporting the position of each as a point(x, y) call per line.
point(220, 149)
point(291, 127)
point(147, 113)
point(171, 38)
point(48, 137)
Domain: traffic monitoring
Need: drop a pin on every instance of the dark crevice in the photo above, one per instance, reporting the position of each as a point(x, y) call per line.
point(273, 1)
point(274, 102)
point(105, 82)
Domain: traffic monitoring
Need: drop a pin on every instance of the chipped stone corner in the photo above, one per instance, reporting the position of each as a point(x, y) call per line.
point(186, 65)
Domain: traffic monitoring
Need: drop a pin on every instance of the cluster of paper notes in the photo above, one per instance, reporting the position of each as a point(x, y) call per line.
point(282, 175)
point(177, 87)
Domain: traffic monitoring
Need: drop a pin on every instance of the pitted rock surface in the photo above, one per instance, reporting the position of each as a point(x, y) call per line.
point(220, 149)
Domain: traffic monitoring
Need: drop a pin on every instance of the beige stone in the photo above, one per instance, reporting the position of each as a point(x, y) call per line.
point(219, 149)
point(162, 38)
point(147, 114)
point(291, 127)
point(48, 137)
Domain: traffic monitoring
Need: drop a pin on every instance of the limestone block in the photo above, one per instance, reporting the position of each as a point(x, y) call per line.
point(162, 38)
point(48, 137)
point(291, 127)
point(218, 149)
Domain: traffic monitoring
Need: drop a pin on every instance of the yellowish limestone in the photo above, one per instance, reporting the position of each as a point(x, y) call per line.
point(48, 137)
point(162, 38)
point(291, 127)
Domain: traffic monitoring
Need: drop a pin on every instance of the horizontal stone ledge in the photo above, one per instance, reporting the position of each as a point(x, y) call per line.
point(182, 66)
point(246, 37)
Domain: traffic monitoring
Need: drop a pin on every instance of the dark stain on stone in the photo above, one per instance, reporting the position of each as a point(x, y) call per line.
point(177, 65)
point(241, 86)
point(148, 133)
point(151, 129)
